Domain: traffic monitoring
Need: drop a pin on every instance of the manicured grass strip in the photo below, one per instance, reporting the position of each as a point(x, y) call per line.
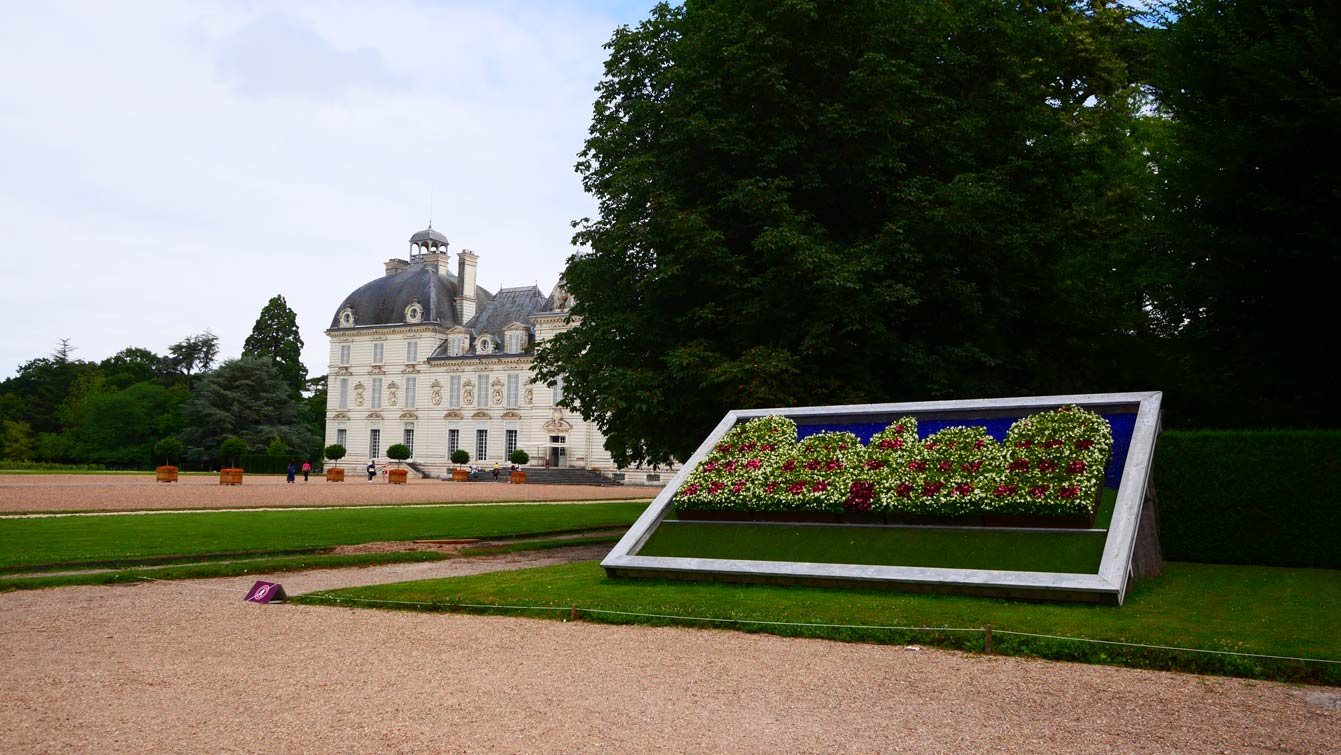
point(540, 545)
point(26, 542)
point(300, 507)
point(962, 548)
point(1273, 611)
point(224, 569)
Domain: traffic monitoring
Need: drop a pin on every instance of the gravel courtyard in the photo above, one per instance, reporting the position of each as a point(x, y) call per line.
point(187, 667)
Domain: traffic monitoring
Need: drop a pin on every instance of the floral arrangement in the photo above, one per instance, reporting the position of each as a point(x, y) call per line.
point(1051, 463)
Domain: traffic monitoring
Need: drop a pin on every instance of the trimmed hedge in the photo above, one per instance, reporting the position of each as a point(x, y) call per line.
point(1267, 498)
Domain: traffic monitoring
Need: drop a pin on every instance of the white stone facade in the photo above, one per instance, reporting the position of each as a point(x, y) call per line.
point(406, 368)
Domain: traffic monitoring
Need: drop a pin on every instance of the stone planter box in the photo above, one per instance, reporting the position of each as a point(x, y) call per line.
point(230, 476)
point(517, 478)
point(460, 475)
point(165, 474)
point(397, 476)
point(335, 475)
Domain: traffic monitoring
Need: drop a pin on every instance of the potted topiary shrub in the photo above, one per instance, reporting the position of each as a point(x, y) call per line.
point(460, 456)
point(335, 452)
point(400, 452)
point(169, 449)
point(520, 458)
point(231, 449)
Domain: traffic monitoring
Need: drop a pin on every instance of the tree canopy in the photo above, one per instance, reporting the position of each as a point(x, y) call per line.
point(1251, 175)
point(829, 202)
point(275, 335)
point(247, 398)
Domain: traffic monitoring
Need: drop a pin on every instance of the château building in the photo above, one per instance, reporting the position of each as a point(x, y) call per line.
point(426, 357)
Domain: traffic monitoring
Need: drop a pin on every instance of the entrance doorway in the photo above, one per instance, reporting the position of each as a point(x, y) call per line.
point(558, 452)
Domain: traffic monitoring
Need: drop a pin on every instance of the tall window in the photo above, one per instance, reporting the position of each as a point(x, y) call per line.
point(341, 436)
point(409, 437)
point(411, 351)
point(377, 352)
point(453, 441)
point(482, 394)
point(513, 343)
point(344, 354)
point(454, 390)
point(481, 445)
point(558, 389)
point(509, 443)
point(410, 384)
point(377, 393)
point(344, 395)
point(514, 390)
point(374, 443)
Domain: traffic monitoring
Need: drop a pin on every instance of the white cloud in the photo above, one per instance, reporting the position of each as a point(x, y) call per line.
point(168, 167)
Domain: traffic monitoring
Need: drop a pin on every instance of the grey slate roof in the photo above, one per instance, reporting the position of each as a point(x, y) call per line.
point(509, 305)
point(383, 301)
point(428, 234)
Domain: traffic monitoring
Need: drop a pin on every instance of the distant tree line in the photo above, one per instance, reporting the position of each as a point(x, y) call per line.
point(825, 202)
point(113, 412)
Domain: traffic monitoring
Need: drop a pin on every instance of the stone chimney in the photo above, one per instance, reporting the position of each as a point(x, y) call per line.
point(437, 262)
point(465, 302)
point(394, 266)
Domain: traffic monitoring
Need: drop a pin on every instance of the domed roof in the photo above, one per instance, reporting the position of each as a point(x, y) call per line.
point(387, 300)
point(428, 234)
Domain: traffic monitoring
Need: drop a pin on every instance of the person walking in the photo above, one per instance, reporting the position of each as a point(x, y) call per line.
point(372, 470)
point(384, 471)
point(307, 469)
point(495, 470)
point(292, 470)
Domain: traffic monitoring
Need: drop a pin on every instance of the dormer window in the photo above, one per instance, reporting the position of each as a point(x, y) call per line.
point(414, 312)
point(457, 345)
point(485, 345)
point(346, 318)
point(514, 342)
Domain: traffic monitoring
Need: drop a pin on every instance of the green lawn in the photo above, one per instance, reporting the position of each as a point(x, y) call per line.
point(1272, 611)
point(963, 548)
point(95, 540)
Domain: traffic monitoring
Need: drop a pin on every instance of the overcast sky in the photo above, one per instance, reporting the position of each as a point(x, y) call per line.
point(168, 167)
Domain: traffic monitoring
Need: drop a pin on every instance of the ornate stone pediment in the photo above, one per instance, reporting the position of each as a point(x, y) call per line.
point(452, 415)
point(480, 415)
point(340, 415)
point(409, 415)
point(409, 368)
point(512, 415)
point(342, 370)
point(376, 369)
point(559, 425)
point(374, 415)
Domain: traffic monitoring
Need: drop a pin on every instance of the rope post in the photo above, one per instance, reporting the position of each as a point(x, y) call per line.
point(987, 639)
point(572, 613)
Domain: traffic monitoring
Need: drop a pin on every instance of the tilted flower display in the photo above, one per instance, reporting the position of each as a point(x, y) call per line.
point(1051, 464)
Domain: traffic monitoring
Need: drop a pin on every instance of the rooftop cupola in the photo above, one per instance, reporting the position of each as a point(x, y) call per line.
point(430, 247)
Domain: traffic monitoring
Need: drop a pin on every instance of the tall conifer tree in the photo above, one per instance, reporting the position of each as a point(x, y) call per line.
point(275, 335)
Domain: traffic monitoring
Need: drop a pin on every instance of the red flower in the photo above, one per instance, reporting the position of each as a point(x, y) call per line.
point(1070, 492)
point(796, 488)
point(1026, 443)
point(979, 443)
point(724, 448)
point(875, 464)
point(1004, 490)
point(963, 489)
point(917, 466)
point(716, 487)
point(1046, 465)
point(904, 490)
point(730, 466)
point(972, 466)
point(767, 447)
point(789, 465)
point(1018, 465)
point(747, 447)
point(931, 488)
point(1054, 443)
point(1064, 409)
point(708, 467)
point(690, 489)
point(1084, 445)
point(1076, 466)
point(812, 465)
point(951, 444)
point(898, 428)
point(945, 466)
point(1038, 491)
point(752, 464)
point(833, 465)
point(819, 486)
point(770, 487)
point(738, 486)
point(931, 445)
point(842, 447)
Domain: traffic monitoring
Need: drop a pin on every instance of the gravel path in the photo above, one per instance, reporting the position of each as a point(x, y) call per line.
point(187, 667)
point(34, 493)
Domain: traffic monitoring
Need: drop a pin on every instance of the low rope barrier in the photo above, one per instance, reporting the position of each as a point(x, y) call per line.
point(575, 611)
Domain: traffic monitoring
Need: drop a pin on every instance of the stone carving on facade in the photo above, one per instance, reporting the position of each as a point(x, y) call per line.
point(358, 393)
point(410, 368)
point(530, 396)
point(409, 415)
point(392, 391)
point(376, 369)
point(436, 396)
point(374, 415)
point(452, 415)
point(480, 415)
point(468, 392)
point(497, 396)
point(342, 370)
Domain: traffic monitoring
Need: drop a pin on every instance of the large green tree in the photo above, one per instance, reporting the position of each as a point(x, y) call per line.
point(275, 335)
point(193, 354)
point(1252, 191)
point(807, 202)
point(247, 398)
